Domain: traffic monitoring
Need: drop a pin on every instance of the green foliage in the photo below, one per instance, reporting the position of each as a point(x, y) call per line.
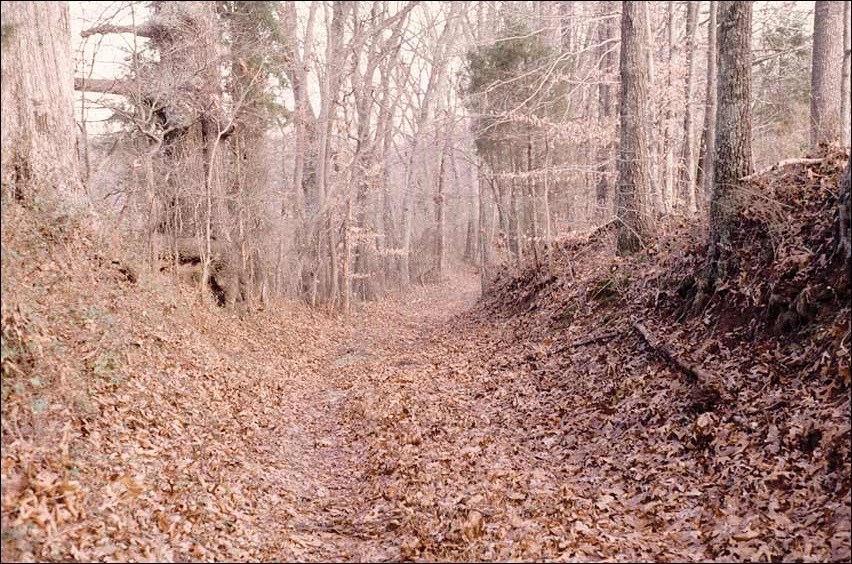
point(517, 52)
point(259, 55)
point(513, 76)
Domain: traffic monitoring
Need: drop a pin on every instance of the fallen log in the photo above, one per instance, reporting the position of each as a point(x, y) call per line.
point(693, 373)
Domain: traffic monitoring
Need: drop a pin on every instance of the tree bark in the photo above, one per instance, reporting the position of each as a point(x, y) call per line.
point(347, 256)
point(38, 137)
point(606, 67)
point(845, 114)
point(439, 219)
point(548, 236)
point(149, 29)
point(708, 141)
point(329, 90)
point(656, 199)
point(826, 68)
point(687, 171)
point(484, 240)
point(733, 128)
point(634, 182)
point(668, 196)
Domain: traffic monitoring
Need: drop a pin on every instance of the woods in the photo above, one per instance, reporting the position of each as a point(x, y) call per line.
point(325, 160)
point(441, 281)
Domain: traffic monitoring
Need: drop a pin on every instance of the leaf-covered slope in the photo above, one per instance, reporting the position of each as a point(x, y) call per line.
point(141, 423)
point(749, 460)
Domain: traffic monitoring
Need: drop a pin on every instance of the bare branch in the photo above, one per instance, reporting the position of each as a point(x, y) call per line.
point(144, 30)
point(105, 85)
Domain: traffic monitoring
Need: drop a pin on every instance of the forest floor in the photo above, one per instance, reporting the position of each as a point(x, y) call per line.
point(408, 433)
point(143, 423)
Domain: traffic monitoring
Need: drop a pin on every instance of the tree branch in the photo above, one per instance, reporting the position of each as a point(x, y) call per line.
point(692, 372)
point(144, 30)
point(105, 86)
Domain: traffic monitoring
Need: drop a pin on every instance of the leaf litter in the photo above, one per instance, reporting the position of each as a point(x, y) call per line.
point(140, 423)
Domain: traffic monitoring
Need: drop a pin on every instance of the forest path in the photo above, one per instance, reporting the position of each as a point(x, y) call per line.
point(429, 438)
point(383, 341)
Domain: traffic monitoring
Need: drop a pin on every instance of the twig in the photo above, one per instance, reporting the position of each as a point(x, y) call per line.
point(590, 340)
point(693, 373)
point(781, 164)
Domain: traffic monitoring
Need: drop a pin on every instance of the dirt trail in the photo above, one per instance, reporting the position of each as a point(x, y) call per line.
point(333, 521)
point(195, 434)
point(425, 442)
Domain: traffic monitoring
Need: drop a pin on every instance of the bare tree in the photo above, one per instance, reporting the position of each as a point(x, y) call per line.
point(370, 107)
point(634, 183)
point(607, 53)
point(434, 82)
point(826, 70)
point(687, 170)
point(733, 128)
point(845, 114)
point(708, 137)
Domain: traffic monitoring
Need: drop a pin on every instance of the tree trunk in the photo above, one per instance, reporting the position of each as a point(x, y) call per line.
point(533, 206)
point(516, 238)
point(687, 171)
point(668, 126)
point(347, 256)
point(299, 79)
point(733, 128)
point(708, 140)
point(484, 241)
point(37, 121)
point(633, 178)
point(329, 89)
point(439, 220)
point(826, 72)
point(655, 199)
point(407, 227)
point(334, 261)
point(845, 114)
point(606, 66)
point(548, 236)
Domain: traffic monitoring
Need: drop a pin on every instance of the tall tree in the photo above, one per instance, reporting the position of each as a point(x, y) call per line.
point(733, 127)
point(606, 107)
point(708, 138)
point(687, 170)
point(845, 114)
point(329, 89)
point(634, 183)
point(37, 120)
point(826, 72)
